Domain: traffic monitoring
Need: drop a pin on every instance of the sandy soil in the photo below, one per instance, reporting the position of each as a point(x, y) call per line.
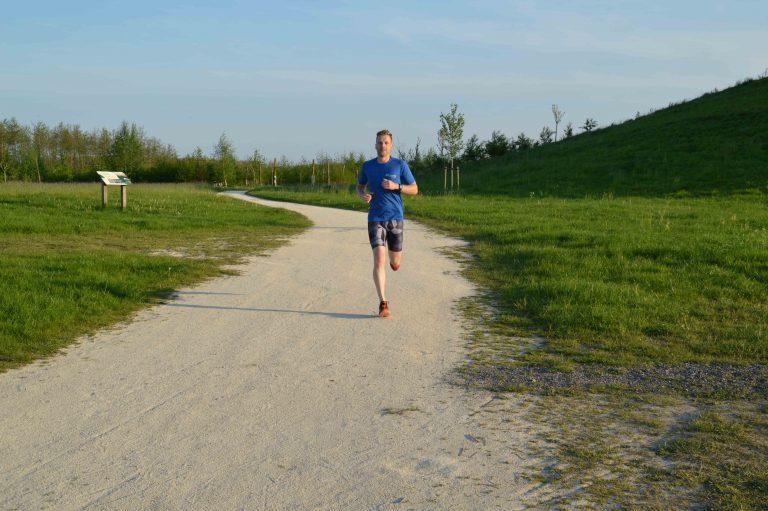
point(274, 389)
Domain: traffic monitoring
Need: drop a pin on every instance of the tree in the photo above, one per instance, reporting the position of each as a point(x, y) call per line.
point(523, 142)
point(255, 163)
point(125, 153)
point(413, 156)
point(474, 150)
point(224, 155)
point(102, 141)
point(450, 136)
point(196, 167)
point(558, 117)
point(11, 139)
point(589, 124)
point(40, 142)
point(568, 130)
point(545, 137)
point(497, 145)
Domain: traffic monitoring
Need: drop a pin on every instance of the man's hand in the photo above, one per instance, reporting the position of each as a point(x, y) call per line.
point(389, 185)
point(366, 197)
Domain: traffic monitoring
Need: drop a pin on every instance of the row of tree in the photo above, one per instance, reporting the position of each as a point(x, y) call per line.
point(68, 153)
point(452, 146)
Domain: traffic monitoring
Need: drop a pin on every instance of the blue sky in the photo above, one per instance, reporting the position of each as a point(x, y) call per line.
point(298, 78)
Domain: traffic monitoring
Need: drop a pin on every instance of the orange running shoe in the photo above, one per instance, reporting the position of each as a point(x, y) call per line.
point(383, 309)
point(395, 268)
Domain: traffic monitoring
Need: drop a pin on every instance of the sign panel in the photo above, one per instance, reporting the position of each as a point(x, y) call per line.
point(113, 178)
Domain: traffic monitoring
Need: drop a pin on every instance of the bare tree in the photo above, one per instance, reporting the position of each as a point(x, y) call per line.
point(558, 117)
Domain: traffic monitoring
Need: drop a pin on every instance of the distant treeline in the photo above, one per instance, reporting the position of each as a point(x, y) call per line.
point(68, 153)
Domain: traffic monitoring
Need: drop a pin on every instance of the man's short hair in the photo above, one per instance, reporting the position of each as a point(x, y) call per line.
point(384, 132)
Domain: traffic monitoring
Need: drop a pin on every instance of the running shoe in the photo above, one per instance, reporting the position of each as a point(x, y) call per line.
point(383, 309)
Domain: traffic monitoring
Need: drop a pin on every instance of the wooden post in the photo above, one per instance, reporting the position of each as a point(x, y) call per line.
point(104, 195)
point(457, 178)
point(451, 174)
point(445, 178)
point(259, 173)
point(313, 173)
point(274, 172)
point(328, 171)
point(123, 196)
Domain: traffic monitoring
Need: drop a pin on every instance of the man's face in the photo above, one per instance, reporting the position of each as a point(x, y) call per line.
point(383, 146)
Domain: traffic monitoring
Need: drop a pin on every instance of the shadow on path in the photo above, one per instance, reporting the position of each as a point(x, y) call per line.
point(338, 315)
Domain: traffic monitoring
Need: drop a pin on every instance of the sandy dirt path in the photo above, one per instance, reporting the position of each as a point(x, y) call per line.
point(274, 389)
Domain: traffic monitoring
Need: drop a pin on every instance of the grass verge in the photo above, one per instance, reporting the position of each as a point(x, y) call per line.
point(70, 267)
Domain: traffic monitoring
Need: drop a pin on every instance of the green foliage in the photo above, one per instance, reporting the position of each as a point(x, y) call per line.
point(226, 164)
point(450, 136)
point(125, 152)
point(474, 150)
point(523, 142)
point(498, 145)
point(546, 136)
point(589, 125)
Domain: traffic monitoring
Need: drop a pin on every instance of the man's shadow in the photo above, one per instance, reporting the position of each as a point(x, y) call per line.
point(338, 315)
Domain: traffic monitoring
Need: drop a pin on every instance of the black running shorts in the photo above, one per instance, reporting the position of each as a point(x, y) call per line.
point(389, 234)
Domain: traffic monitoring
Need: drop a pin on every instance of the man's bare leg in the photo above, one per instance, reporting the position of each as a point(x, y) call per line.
point(394, 260)
point(380, 271)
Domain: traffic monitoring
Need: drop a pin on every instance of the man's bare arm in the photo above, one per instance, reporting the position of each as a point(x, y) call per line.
point(364, 196)
point(411, 189)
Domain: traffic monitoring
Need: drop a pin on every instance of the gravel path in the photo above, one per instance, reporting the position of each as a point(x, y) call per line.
point(273, 389)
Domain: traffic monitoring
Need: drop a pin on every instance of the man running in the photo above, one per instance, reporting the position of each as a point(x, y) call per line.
point(387, 178)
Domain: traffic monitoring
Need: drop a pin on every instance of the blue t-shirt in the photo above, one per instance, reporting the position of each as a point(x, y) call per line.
point(386, 204)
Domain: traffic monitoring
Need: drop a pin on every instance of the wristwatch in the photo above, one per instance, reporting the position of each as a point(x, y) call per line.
point(400, 189)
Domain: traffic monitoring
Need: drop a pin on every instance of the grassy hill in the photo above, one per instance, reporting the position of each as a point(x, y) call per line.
point(715, 144)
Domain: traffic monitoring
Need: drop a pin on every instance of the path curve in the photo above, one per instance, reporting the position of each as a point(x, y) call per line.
point(274, 389)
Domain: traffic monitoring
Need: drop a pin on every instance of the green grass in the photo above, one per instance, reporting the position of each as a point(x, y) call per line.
point(617, 281)
point(723, 452)
point(636, 453)
point(69, 267)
